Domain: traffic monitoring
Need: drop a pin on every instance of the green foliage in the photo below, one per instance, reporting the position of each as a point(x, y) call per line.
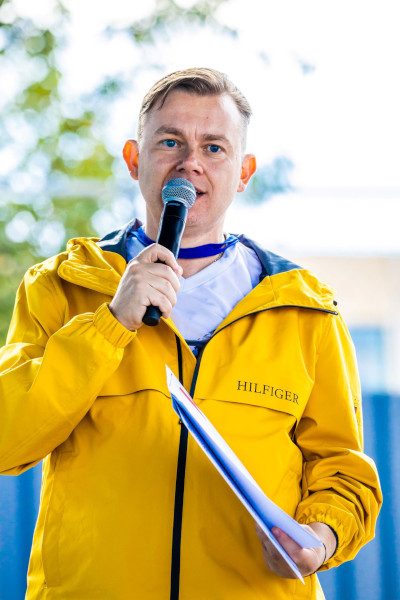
point(168, 13)
point(56, 155)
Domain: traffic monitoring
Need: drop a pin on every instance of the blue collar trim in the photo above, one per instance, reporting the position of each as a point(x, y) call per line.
point(272, 264)
point(197, 251)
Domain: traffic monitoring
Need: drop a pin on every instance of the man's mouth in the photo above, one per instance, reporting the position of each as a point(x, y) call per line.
point(199, 193)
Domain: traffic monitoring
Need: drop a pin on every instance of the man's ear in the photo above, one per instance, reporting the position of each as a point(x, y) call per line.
point(249, 166)
point(131, 157)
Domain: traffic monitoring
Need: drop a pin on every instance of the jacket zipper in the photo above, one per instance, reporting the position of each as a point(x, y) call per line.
point(180, 484)
point(182, 453)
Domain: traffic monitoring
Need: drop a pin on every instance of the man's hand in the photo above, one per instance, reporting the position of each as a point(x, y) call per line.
point(146, 282)
point(308, 560)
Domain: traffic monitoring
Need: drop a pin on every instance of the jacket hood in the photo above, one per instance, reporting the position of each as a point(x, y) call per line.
point(98, 264)
point(88, 266)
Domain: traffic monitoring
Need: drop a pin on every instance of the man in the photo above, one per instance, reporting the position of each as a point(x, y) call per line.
point(130, 506)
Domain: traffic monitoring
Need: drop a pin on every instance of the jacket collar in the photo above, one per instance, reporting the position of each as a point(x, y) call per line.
point(271, 263)
point(99, 264)
point(116, 240)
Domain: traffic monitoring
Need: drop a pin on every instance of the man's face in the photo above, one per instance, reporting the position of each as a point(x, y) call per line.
point(198, 138)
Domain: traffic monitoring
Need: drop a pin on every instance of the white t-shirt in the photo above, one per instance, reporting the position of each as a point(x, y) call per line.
point(207, 297)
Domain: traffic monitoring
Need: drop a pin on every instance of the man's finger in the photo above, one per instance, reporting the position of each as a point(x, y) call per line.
point(156, 252)
point(273, 559)
point(287, 543)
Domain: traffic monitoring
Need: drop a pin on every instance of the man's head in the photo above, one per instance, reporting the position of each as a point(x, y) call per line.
point(197, 80)
point(192, 125)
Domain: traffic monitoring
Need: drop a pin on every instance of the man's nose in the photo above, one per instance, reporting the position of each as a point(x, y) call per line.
point(190, 161)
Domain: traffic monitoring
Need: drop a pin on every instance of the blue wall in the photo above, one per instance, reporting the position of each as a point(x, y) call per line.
point(19, 503)
point(373, 575)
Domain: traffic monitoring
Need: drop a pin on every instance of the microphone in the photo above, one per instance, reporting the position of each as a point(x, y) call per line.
point(178, 196)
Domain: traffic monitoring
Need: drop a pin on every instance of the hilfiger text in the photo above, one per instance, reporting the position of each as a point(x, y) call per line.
point(268, 390)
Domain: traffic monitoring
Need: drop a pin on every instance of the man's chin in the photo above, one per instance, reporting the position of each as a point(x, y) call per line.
point(195, 222)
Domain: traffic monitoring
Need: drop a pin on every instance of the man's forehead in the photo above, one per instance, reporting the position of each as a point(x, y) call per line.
point(211, 112)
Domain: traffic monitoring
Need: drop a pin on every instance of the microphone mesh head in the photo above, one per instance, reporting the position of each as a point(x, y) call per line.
point(179, 189)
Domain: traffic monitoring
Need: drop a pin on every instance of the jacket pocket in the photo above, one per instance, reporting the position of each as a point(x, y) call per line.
point(142, 368)
point(262, 439)
point(58, 481)
point(278, 393)
point(259, 375)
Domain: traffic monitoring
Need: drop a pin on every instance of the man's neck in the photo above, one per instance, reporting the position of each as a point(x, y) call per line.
point(194, 265)
point(192, 239)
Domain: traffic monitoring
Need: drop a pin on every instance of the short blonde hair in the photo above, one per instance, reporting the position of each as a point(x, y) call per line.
point(198, 80)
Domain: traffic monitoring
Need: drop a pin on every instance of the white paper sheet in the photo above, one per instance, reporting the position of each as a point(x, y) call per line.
point(263, 510)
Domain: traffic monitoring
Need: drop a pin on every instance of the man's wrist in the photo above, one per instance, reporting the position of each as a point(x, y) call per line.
point(328, 537)
point(325, 554)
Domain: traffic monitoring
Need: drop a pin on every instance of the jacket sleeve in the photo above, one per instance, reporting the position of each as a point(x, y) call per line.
point(340, 485)
point(51, 372)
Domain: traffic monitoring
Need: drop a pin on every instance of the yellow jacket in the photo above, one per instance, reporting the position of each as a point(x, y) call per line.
point(124, 502)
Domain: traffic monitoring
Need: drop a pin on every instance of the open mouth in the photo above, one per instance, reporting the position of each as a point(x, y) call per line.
point(199, 193)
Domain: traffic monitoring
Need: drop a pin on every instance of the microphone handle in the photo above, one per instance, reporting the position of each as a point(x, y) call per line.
point(172, 224)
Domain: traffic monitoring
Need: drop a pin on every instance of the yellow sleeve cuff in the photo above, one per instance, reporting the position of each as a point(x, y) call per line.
point(111, 328)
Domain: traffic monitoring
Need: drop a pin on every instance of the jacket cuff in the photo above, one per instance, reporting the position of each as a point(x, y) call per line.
point(337, 540)
point(326, 517)
point(111, 328)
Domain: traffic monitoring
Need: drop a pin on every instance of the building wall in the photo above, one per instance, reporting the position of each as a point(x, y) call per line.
point(368, 293)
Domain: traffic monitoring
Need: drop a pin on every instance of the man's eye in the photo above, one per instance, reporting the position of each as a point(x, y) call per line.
point(214, 148)
point(169, 143)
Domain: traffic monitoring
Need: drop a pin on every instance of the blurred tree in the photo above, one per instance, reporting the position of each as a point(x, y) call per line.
point(169, 15)
point(60, 177)
point(44, 150)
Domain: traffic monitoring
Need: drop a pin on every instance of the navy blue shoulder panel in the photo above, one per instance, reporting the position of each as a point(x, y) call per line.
point(272, 264)
point(116, 240)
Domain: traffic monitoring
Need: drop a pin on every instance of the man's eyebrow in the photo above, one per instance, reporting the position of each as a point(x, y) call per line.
point(216, 137)
point(164, 129)
point(207, 137)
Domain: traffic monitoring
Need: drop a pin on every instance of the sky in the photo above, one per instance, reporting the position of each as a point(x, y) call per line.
point(322, 79)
